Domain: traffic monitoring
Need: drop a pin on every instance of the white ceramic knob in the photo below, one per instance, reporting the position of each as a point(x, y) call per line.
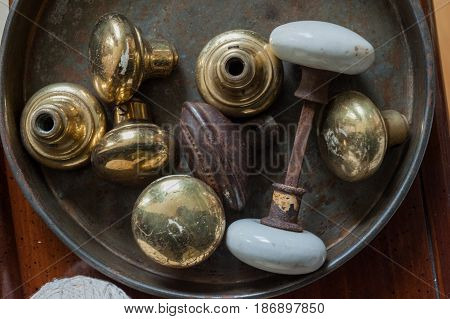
point(322, 45)
point(275, 250)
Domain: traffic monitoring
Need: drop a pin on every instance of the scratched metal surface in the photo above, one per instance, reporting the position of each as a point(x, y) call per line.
point(87, 212)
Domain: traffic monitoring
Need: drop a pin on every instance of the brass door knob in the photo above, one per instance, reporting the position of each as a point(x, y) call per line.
point(120, 58)
point(61, 124)
point(353, 135)
point(135, 150)
point(178, 221)
point(237, 73)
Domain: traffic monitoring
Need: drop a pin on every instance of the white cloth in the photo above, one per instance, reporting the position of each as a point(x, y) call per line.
point(80, 287)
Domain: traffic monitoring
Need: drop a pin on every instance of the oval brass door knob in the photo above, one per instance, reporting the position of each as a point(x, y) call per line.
point(135, 150)
point(178, 221)
point(120, 58)
point(237, 73)
point(61, 124)
point(353, 135)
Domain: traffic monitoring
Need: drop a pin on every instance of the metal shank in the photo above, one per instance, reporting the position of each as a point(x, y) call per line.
point(286, 198)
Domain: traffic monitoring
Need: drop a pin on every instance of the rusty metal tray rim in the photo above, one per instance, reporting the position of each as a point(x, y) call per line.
point(363, 241)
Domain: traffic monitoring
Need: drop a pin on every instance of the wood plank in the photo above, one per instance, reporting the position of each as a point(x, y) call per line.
point(9, 265)
point(436, 165)
point(435, 179)
point(42, 256)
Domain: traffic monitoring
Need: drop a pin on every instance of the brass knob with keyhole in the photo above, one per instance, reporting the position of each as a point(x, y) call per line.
point(61, 124)
point(238, 74)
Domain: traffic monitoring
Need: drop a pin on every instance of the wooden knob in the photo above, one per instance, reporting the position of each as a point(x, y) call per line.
point(215, 149)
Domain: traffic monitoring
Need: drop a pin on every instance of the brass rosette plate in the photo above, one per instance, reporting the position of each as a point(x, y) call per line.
point(237, 73)
point(61, 124)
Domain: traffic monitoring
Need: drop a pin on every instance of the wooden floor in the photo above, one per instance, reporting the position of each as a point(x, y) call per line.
point(409, 259)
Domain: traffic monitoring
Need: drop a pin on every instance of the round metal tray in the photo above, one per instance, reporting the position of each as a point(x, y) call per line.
point(46, 42)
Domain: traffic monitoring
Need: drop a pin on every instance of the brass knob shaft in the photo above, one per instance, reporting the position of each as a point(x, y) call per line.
point(61, 124)
point(135, 150)
point(120, 58)
point(353, 135)
point(238, 74)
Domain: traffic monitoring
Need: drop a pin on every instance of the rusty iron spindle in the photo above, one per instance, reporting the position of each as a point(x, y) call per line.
point(286, 200)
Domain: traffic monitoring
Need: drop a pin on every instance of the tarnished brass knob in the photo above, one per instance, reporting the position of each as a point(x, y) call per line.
point(135, 150)
point(61, 124)
point(237, 73)
point(120, 58)
point(354, 135)
point(178, 221)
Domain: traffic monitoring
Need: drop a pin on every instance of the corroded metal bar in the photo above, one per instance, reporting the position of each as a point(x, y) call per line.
point(286, 198)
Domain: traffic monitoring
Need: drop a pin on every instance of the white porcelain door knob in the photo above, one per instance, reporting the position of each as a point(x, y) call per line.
point(275, 250)
point(322, 45)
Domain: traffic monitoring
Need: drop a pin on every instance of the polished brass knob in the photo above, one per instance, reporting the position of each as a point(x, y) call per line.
point(354, 135)
point(237, 73)
point(120, 58)
point(135, 150)
point(61, 124)
point(178, 221)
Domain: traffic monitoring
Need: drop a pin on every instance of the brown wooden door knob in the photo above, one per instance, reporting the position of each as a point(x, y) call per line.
point(216, 150)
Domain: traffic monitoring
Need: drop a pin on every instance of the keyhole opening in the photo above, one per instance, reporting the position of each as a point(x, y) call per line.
point(235, 66)
point(45, 122)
